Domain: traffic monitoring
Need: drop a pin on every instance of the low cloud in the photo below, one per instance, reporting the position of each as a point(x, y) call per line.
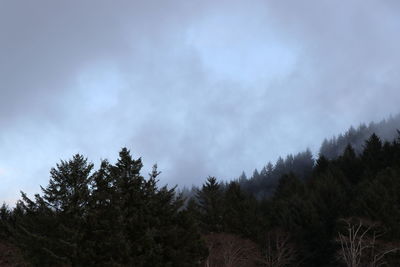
point(201, 88)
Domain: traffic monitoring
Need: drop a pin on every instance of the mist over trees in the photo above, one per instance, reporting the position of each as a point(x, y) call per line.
point(263, 183)
point(340, 209)
point(385, 129)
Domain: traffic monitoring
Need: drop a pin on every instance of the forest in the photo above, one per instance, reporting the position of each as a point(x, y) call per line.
point(340, 209)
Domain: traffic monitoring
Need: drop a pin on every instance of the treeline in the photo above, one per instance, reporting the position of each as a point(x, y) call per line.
point(109, 217)
point(344, 212)
point(264, 182)
point(335, 212)
point(385, 129)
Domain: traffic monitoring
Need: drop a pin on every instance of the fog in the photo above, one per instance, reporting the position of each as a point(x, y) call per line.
point(200, 88)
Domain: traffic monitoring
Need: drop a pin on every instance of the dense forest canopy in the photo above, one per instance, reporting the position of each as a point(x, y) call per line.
point(342, 209)
point(262, 183)
point(385, 129)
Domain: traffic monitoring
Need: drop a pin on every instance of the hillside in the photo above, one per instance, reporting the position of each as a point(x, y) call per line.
point(298, 212)
point(263, 183)
point(385, 129)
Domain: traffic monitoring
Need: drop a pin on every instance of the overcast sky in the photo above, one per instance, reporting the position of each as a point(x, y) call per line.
point(199, 87)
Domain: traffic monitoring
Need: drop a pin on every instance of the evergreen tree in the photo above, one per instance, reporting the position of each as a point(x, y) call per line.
point(350, 165)
point(158, 231)
point(51, 228)
point(105, 241)
point(239, 211)
point(321, 165)
point(129, 198)
point(210, 201)
point(372, 155)
point(5, 222)
point(114, 217)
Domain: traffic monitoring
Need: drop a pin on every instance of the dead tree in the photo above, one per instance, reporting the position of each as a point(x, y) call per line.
point(279, 250)
point(361, 245)
point(228, 250)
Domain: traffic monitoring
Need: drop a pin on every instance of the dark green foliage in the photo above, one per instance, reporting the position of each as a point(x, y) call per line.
point(385, 129)
point(115, 217)
point(52, 227)
point(112, 217)
point(240, 211)
point(379, 200)
point(6, 222)
point(263, 184)
point(350, 165)
point(105, 242)
point(321, 165)
point(5, 214)
point(365, 185)
point(372, 156)
point(289, 185)
point(210, 204)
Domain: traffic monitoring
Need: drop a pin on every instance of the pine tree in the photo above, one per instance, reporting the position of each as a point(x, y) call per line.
point(114, 217)
point(372, 155)
point(350, 165)
point(239, 211)
point(157, 231)
point(210, 199)
point(105, 242)
point(5, 222)
point(130, 199)
point(50, 228)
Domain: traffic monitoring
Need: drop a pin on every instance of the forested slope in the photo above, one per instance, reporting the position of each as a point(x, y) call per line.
point(295, 213)
point(263, 183)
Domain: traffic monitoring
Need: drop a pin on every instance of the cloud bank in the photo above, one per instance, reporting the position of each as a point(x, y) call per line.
point(199, 87)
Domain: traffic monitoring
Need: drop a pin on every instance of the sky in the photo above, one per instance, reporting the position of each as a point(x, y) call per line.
point(199, 87)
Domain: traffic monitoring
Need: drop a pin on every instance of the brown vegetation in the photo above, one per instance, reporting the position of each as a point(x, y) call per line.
point(361, 244)
point(279, 250)
point(228, 250)
point(10, 256)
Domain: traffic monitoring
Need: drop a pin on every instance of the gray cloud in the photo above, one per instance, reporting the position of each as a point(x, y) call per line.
point(201, 87)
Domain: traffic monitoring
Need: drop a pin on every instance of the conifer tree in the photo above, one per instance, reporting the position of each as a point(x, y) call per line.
point(105, 242)
point(51, 227)
point(157, 231)
point(239, 211)
point(210, 203)
point(114, 217)
point(372, 155)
